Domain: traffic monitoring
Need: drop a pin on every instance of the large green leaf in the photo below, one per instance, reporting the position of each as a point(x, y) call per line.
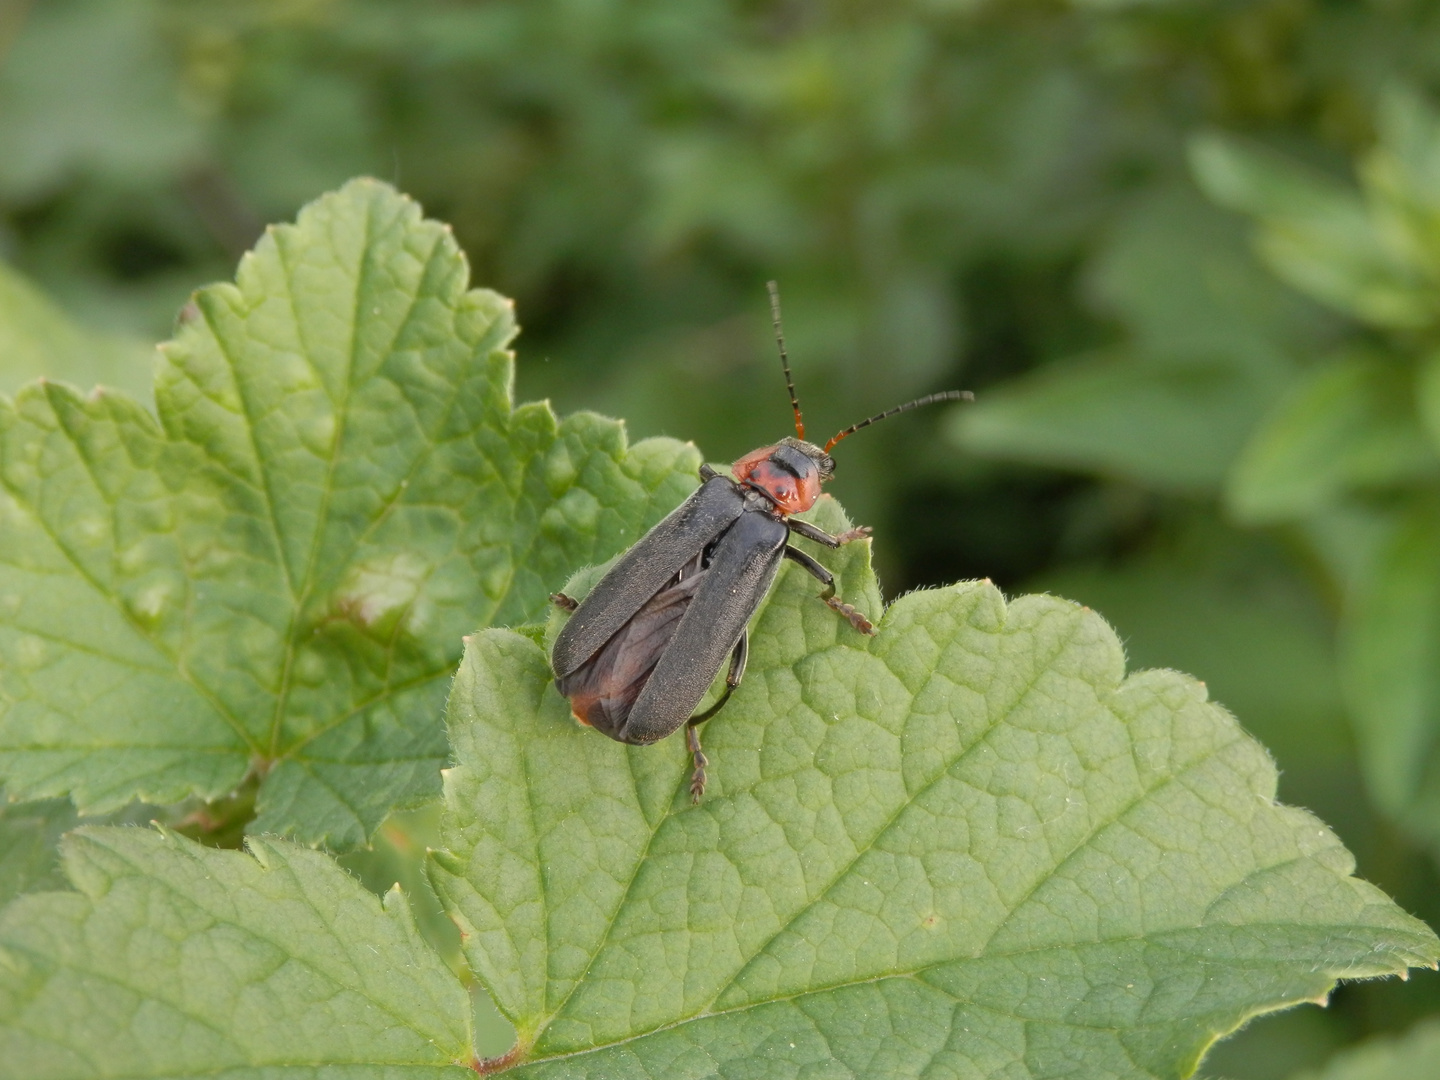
point(968, 846)
point(274, 578)
point(177, 961)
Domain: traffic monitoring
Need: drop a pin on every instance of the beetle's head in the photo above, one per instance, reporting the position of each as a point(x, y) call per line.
point(789, 473)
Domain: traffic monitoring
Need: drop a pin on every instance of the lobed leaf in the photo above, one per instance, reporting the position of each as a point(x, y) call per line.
point(969, 846)
point(176, 961)
point(274, 578)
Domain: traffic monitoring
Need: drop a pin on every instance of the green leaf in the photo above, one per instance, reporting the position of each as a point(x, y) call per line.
point(1427, 397)
point(36, 338)
point(1401, 174)
point(1350, 424)
point(176, 961)
point(1174, 427)
point(1412, 1056)
point(1317, 234)
point(1391, 663)
point(29, 833)
point(1178, 272)
point(397, 857)
point(275, 577)
point(1231, 605)
point(92, 86)
point(969, 845)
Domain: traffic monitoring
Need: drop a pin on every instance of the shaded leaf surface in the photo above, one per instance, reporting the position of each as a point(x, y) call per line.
point(104, 66)
point(1176, 427)
point(1391, 654)
point(172, 960)
point(969, 846)
point(1317, 234)
point(1370, 253)
point(29, 832)
point(1412, 1056)
point(1348, 425)
point(36, 338)
point(1211, 338)
point(1178, 273)
point(277, 574)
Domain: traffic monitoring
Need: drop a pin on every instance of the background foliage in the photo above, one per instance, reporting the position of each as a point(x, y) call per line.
point(1187, 253)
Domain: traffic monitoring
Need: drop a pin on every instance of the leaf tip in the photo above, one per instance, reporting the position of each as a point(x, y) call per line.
point(394, 899)
point(188, 315)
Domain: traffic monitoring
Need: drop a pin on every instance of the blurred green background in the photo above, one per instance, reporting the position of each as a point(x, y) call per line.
point(1186, 252)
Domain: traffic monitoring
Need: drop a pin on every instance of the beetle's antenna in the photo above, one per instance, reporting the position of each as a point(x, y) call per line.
point(947, 395)
point(784, 360)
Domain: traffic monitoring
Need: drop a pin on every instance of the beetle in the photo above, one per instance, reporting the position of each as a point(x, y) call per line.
point(640, 651)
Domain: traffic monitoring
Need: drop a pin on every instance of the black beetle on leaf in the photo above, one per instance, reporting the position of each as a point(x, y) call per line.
point(640, 651)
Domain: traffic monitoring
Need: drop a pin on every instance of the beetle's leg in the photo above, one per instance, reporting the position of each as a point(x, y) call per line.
point(692, 733)
point(697, 778)
point(820, 536)
point(563, 602)
point(738, 659)
point(827, 579)
point(707, 473)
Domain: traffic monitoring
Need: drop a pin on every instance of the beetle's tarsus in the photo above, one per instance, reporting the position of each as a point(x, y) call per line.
point(563, 602)
point(845, 611)
point(860, 532)
point(697, 778)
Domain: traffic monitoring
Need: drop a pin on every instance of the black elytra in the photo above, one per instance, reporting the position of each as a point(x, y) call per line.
point(640, 651)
